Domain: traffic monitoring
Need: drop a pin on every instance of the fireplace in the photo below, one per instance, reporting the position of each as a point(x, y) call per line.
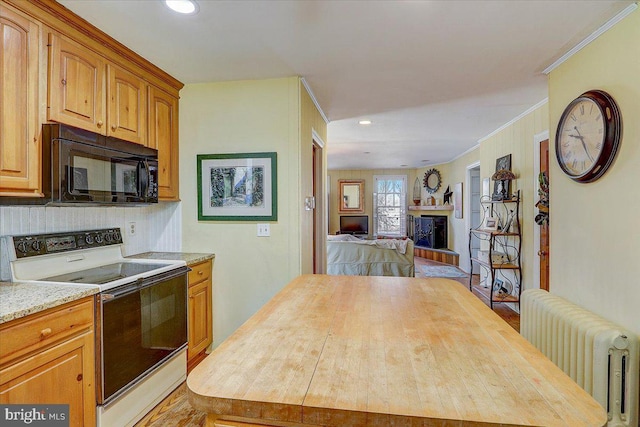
point(430, 231)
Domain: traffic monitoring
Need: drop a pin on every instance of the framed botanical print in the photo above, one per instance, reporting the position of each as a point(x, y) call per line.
point(237, 187)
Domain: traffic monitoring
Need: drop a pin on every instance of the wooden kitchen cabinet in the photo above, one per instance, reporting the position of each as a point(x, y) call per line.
point(200, 324)
point(48, 358)
point(127, 100)
point(20, 116)
point(76, 85)
point(87, 92)
point(85, 79)
point(163, 136)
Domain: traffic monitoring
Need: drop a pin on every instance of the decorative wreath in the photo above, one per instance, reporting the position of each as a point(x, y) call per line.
point(425, 181)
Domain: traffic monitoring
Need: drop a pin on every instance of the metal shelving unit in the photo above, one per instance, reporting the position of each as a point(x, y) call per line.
point(503, 264)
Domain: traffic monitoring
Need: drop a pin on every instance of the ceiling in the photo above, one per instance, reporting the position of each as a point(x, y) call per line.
point(434, 77)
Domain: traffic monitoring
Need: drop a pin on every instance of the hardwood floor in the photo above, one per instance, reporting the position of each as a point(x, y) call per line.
point(175, 410)
point(502, 310)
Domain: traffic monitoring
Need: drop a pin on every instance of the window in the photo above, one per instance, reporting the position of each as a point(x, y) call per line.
point(389, 205)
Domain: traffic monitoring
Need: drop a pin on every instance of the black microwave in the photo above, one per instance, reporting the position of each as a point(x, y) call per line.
point(82, 167)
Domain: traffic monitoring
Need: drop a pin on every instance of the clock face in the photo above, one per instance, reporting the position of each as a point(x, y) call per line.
point(581, 136)
point(588, 136)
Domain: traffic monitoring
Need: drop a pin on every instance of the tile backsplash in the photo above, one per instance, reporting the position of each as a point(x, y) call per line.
point(158, 227)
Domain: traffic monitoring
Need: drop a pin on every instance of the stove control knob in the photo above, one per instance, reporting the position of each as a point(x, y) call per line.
point(22, 247)
point(36, 246)
point(116, 236)
point(89, 239)
point(98, 238)
point(107, 238)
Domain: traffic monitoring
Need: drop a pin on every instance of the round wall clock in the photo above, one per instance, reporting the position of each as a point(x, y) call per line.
point(588, 136)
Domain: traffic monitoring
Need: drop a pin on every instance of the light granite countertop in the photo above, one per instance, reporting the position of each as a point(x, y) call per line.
point(22, 299)
point(189, 258)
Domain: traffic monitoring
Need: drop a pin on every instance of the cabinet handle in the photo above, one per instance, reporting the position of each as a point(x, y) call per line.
point(99, 123)
point(64, 82)
point(79, 377)
point(114, 127)
point(200, 273)
point(45, 332)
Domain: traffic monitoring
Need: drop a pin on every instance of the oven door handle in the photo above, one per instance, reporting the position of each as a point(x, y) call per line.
point(142, 283)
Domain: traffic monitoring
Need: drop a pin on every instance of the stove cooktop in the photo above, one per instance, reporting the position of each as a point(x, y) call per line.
point(105, 274)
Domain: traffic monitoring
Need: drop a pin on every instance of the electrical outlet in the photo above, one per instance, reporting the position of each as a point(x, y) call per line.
point(132, 228)
point(264, 230)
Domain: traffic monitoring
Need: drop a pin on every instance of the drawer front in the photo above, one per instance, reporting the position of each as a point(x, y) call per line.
point(199, 272)
point(40, 330)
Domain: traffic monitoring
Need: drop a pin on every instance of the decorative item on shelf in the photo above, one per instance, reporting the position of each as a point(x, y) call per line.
point(491, 223)
point(447, 196)
point(502, 288)
point(416, 192)
point(432, 180)
point(502, 178)
point(543, 204)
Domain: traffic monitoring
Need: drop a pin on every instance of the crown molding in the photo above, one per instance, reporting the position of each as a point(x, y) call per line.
point(591, 37)
point(515, 119)
point(313, 98)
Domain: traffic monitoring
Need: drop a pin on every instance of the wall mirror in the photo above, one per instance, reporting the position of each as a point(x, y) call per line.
point(432, 180)
point(351, 196)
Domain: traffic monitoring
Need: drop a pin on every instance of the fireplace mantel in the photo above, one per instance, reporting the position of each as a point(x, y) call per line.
point(432, 208)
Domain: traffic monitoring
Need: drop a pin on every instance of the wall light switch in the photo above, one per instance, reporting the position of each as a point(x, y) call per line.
point(264, 230)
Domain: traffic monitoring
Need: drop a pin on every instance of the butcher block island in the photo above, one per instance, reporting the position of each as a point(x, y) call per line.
point(383, 351)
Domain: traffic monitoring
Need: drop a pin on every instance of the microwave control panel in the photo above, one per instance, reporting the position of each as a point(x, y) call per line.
point(43, 244)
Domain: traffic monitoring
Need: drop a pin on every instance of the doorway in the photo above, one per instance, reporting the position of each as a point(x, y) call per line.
point(319, 220)
point(543, 252)
point(473, 178)
point(541, 232)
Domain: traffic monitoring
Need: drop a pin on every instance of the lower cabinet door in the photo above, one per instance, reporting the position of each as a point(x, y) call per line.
point(200, 325)
point(60, 375)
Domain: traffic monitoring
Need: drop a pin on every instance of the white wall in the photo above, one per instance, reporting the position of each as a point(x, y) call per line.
point(240, 117)
point(157, 226)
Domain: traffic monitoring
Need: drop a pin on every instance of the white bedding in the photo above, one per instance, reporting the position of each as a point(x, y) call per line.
point(348, 255)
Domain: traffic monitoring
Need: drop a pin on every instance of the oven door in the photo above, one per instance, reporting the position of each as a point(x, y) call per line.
point(139, 327)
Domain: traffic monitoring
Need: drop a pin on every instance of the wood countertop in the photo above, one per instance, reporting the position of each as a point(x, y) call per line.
point(383, 351)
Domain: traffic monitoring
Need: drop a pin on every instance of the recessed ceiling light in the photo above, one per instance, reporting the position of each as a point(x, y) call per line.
point(365, 122)
point(187, 7)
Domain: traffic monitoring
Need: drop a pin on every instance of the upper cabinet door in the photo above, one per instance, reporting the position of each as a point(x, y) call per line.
point(127, 95)
point(19, 106)
point(163, 136)
point(76, 85)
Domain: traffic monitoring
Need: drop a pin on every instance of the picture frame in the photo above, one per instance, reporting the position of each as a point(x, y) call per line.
point(237, 187)
point(503, 162)
point(491, 223)
point(457, 200)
